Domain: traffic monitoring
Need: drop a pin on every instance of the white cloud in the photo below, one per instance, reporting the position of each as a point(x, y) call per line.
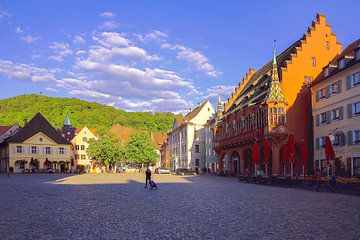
point(224, 91)
point(107, 14)
point(4, 15)
point(35, 56)
point(195, 59)
point(79, 40)
point(109, 25)
point(51, 89)
point(61, 50)
point(101, 54)
point(111, 39)
point(148, 79)
point(19, 30)
point(25, 72)
point(30, 39)
point(155, 35)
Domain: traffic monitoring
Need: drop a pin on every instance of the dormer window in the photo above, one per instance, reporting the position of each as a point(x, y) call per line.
point(342, 63)
point(326, 72)
point(358, 54)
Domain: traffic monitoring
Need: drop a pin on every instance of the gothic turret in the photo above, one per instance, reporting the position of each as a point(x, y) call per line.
point(275, 93)
point(67, 131)
point(219, 110)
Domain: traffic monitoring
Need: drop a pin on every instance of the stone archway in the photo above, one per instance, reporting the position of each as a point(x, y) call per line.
point(225, 163)
point(235, 159)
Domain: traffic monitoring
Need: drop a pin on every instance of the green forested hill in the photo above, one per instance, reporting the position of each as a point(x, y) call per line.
point(81, 113)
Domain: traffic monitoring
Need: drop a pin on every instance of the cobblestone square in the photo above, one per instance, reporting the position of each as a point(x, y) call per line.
point(117, 206)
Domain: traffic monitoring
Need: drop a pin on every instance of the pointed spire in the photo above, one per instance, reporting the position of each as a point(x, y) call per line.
point(275, 93)
point(219, 109)
point(67, 121)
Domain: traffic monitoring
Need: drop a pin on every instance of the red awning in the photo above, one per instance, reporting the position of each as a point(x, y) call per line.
point(266, 150)
point(291, 148)
point(329, 150)
point(255, 153)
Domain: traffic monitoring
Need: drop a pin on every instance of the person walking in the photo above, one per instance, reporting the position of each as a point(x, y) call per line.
point(147, 176)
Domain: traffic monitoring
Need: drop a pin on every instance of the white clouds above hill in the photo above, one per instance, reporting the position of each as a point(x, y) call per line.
point(128, 70)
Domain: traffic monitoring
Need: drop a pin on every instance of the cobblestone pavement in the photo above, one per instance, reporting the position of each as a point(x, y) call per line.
point(117, 206)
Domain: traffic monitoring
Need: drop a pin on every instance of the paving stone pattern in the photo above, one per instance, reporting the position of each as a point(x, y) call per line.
point(117, 206)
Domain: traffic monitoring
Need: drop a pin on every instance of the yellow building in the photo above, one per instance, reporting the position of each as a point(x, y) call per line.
point(336, 112)
point(37, 147)
point(80, 144)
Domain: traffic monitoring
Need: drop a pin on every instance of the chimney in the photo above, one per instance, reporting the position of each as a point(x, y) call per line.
point(25, 121)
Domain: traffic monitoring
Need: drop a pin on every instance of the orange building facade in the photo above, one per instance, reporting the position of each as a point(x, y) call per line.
point(273, 102)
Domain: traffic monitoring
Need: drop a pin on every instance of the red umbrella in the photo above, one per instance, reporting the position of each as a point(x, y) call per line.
point(304, 155)
point(329, 150)
point(285, 156)
point(266, 151)
point(291, 148)
point(255, 153)
point(266, 154)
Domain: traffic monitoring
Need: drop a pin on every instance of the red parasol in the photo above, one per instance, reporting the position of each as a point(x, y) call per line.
point(304, 152)
point(266, 151)
point(255, 153)
point(291, 148)
point(329, 150)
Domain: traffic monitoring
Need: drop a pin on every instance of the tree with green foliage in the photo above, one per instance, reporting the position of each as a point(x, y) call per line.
point(106, 150)
point(140, 149)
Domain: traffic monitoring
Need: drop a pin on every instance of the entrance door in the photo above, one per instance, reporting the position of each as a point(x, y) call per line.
point(62, 168)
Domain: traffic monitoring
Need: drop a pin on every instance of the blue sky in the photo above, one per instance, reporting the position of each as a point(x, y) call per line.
point(150, 55)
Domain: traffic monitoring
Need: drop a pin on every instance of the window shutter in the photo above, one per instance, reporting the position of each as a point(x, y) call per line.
point(339, 86)
point(317, 143)
point(350, 137)
point(29, 149)
point(65, 150)
point(23, 149)
point(342, 139)
point(328, 116)
point(317, 119)
point(14, 149)
point(349, 80)
point(328, 91)
point(350, 110)
point(317, 95)
point(341, 113)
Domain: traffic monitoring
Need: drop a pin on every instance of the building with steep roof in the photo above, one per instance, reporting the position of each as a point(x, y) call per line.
point(6, 132)
point(187, 138)
point(274, 101)
point(336, 112)
point(37, 146)
point(81, 160)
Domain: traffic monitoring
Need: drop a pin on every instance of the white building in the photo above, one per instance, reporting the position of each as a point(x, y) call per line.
point(336, 111)
point(80, 145)
point(187, 138)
